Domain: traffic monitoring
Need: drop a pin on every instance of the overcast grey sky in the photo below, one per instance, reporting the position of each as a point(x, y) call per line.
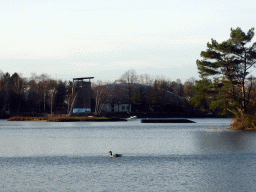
point(105, 38)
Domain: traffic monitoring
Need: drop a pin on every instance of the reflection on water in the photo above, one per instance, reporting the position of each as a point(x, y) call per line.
point(224, 141)
point(44, 156)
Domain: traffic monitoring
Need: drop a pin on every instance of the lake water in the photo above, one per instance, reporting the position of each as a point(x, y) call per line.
point(51, 156)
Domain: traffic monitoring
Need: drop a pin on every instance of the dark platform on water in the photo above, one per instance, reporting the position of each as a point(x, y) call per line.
point(163, 120)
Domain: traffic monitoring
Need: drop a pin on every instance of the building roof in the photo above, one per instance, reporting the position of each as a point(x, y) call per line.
point(82, 78)
point(115, 88)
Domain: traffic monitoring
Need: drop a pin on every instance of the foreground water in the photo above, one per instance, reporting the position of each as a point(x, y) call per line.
point(50, 156)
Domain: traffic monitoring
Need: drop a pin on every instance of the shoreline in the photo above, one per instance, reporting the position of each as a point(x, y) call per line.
point(65, 119)
point(232, 128)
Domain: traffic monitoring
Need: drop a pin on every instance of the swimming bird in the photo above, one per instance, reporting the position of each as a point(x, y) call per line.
point(116, 155)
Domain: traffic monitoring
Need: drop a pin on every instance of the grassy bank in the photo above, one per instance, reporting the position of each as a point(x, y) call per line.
point(246, 123)
point(64, 119)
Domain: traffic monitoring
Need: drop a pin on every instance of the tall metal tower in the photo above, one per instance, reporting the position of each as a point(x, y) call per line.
point(82, 95)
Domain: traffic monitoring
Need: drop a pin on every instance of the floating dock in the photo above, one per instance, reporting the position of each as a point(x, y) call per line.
point(165, 120)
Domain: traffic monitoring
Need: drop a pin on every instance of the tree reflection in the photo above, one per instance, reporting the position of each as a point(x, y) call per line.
point(226, 141)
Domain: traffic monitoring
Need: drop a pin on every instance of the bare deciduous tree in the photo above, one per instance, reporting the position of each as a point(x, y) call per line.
point(104, 93)
point(146, 79)
point(187, 88)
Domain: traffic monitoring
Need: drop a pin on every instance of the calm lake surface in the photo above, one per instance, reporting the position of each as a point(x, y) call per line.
point(51, 156)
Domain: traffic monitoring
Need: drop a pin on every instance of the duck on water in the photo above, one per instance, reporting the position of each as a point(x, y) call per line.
point(116, 155)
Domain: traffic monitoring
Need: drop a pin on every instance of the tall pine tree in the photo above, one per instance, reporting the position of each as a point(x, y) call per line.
point(224, 70)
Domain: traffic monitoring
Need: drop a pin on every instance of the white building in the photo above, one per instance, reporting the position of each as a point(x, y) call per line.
point(116, 108)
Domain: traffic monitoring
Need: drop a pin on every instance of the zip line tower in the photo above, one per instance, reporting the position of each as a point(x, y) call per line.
point(82, 95)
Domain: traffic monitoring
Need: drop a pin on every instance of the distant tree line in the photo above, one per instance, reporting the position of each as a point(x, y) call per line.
point(145, 94)
point(40, 94)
